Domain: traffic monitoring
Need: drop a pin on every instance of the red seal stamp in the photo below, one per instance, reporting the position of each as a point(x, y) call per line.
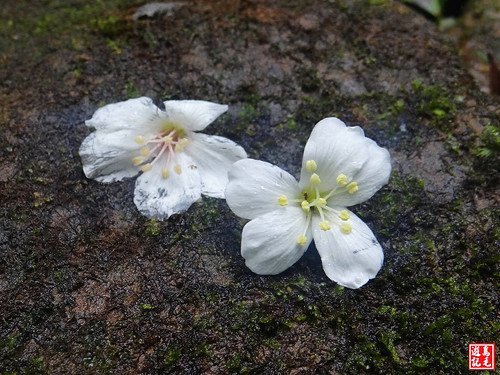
point(482, 356)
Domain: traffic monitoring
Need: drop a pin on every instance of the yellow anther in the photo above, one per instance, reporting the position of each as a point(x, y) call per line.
point(145, 151)
point(146, 167)
point(321, 202)
point(346, 228)
point(342, 180)
point(137, 160)
point(282, 200)
point(325, 225)
point(181, 145)
point(305, 206)
point(344, 215)
point(139, 140)
point(164, 173)
point(301, 240)
point(178, 169)
point(352, 187)
point(315, 180)
point(167, 139)
point(311, 166)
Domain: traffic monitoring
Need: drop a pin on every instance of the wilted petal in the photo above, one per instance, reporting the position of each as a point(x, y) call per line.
point(107, 157)
point(158, 197)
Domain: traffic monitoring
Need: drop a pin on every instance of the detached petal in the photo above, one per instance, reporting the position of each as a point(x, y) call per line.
point(158, 197)
point(348, 259)
point(193, 115)
point(213, 156)
point(336, 149)
point(254, 188)
point(107, 157)
point(370, 178)
point(139, 114)
point(269, 242)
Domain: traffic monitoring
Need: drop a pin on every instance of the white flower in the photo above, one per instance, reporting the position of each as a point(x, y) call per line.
point(178, 164)
point(340, 168)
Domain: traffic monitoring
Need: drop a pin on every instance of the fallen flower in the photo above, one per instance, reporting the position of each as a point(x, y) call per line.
point(177, 164)
point(340, 168)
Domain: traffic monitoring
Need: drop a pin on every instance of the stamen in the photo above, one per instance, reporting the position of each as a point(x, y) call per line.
point(167, 139)
point(165, 173)
point(145, 151)
point(325, 225)
point(321, 202)
point(344, 215)
point(316, 191)
point(301, 240)
point(305, 206)
point(178, 169)
point(342, 180)
point(146, 167)
point(311, 166)
point(352, 187)
point(139, 140)
point(137, 160)
point(315, 180)
point(282, 200)
point(346, 228)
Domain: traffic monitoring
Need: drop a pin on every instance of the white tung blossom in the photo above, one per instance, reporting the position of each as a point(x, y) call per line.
point(177, 164)
point(340, 168)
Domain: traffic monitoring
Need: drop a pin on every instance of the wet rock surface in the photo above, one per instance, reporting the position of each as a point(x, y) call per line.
point(87, 285)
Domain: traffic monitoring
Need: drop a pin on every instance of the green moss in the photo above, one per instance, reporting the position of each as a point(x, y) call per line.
point(203, 350)
point(490, 142)
point(147, 307)
point(291, 123)
point(153, 228)
point(235, 364)
point(171, 357)
point(248, 112)
point(109, 26)
point(435, 102)
point(40, 199)
point(73, 24)
point(387, 338)
point(131, 91)
point(392, 111)
point(403, 194)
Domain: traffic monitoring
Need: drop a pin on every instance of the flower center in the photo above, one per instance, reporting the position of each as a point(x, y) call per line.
point(169, 141)
point(313, 201)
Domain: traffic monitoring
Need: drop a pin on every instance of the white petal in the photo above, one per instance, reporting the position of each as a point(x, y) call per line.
point(269, 242)
point(348, 259)
point(336, 149)
point(107, 157)
point(213, 156)
point(370, 178)
point(139, 114)
point(193, 115)
point(157, 197)
point(254, 188)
